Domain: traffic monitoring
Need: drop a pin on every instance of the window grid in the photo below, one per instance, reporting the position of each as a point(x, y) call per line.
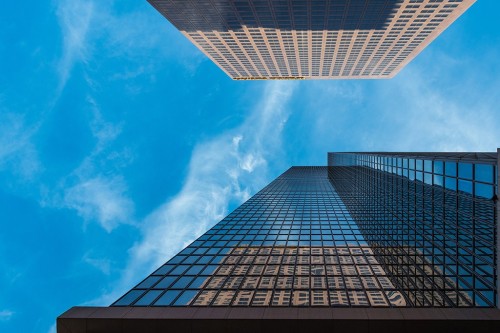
point(349, 235)
point(261, 39)
point(434, 221)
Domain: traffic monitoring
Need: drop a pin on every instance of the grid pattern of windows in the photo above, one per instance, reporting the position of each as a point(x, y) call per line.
point(292, 244)
point(379, 229)
point(429, 219)
point(301, 39)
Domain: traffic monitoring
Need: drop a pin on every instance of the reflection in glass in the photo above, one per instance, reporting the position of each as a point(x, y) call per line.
point(435, 243)
point(356, 234)
point(451, 169)
point(484, 173)
point(167, 297)
point(465, 170)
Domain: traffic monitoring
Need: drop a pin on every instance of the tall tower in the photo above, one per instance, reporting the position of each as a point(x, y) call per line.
point(372, 242)
point(311, 39)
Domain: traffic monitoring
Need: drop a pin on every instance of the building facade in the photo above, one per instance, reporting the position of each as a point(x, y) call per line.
point(292, 244)
point(430, 219)
point(311, 39)
point(412, 234)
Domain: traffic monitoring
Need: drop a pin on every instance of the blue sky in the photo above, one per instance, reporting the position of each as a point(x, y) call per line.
point(120, 142)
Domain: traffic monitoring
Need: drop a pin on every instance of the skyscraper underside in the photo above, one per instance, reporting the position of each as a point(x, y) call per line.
point(311, 39)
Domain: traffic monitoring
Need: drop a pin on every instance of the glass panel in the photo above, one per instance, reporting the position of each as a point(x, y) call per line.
point(209, 269)
point(130, 297)
point(166, 282)
point(465, 186)
point(194, 270)
point(167, 298)
point(205, 259)
point(427, 166)
point(187, 251)
point(412, 163)
point(438, 180)
point(191, 259)
point(484, 173)
point(419, 176)
point(428, 178)
point(179, 269)
point(438, 167)
point(420, 165)
point(483, 190)
point(451, 169)
point(148, 298)
point(150, 281)
point(186, 298)
point(163, 269)
point(199, 282)
point(182, 282)
point(465, 170)
point(451, 183)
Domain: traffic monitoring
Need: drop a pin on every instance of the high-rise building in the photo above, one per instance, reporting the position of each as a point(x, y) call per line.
point(311, 39)
point(373, 242)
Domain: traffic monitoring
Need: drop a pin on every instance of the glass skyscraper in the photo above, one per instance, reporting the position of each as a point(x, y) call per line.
point(430, 219)
point(311, 39)
point(390, 232)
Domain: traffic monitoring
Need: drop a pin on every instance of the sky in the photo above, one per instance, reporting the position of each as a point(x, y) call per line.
point(120, 142)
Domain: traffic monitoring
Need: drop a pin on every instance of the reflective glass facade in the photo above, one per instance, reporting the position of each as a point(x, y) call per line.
point(304, 39)
point(366, 231)
point(429, 219)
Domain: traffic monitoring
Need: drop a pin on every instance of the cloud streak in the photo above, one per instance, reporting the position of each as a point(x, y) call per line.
point(17, 152)
point(437, 119)
point(98, 196)
point(6, 315)
point(427, 107)
point(101, 199)
point(96, 190)
point(88, 24)
point(75, 19)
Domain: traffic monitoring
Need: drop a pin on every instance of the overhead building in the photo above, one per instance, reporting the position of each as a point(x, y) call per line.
point(311, 39)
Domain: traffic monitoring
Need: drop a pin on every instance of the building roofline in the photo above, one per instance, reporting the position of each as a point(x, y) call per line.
point(486, 157)
point(269, 319)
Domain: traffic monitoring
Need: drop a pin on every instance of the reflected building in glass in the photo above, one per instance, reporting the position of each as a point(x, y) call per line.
point(369, 232)
point(430, 219)
point(311, 39)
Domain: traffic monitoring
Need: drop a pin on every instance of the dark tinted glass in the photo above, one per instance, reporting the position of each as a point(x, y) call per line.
point(465, 170)
point(167, 298)
point(484, 173)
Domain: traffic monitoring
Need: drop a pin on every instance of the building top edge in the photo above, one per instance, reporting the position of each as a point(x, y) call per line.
point(89, 313)
point(459, 156)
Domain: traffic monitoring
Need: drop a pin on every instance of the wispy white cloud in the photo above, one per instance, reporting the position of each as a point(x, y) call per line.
point(427, 118)
point(94, 195)
point(17, 152)
point(92, 190)
point(6, 315)
point(52, 329)
point(102, 264)
point(87, 25)
point(75, 19)
point(437, 104)
point(101, 199)
point(223, 171)
point(96, 190)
